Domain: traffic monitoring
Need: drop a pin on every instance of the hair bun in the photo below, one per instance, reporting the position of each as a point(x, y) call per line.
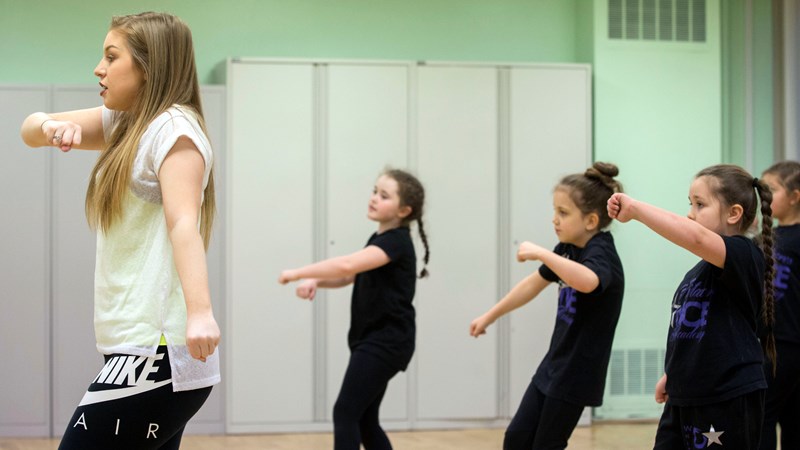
point(602, 170)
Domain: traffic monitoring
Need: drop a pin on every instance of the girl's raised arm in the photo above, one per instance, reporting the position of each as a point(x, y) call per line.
point(81, 129)
point(340, 267)
point(574, 274)
point(678, 229)
point(525, 291)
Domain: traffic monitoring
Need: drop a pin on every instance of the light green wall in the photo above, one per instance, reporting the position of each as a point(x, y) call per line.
point(56, 41)
point(662, 110)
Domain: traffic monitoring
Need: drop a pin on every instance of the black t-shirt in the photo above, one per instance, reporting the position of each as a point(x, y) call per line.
point(713, 352)
point(381, 313)
point(787, 283)
point(574, 368)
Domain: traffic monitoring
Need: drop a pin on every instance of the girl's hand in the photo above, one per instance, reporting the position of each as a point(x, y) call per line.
point(528, 251)
point(661, 390)
point(478, 326)
point(286, 276)
point(61, 134)
point(307, 289)
point(620, 207)
point(202, 335)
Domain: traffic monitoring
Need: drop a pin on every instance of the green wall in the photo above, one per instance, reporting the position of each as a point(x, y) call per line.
point(56, 41)
point(662, 110)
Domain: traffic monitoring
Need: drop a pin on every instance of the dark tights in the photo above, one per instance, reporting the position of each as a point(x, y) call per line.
point(355, 414)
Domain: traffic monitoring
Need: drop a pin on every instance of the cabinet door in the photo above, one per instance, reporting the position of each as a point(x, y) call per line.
point(75, 358)
point(24, 269)
point(550, 136)
point(458, 164)
point(367, 117)
point(211, 417)
point(269, 227)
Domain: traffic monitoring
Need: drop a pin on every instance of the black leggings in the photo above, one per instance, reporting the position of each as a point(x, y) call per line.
point(355, 414)
point(131, 405)
point(541, 422)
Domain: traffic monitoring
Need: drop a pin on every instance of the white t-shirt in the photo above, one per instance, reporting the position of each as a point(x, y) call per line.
point(138, 295)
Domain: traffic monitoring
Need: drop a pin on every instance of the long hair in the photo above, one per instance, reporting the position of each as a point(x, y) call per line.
point(412, 194)
point(733, 185)
point(161, 47)
point(591, 190)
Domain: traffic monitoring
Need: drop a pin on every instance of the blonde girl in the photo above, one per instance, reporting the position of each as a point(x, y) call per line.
point(151, 186)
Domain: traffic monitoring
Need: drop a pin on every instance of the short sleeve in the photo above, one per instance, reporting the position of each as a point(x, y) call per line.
point(177, 125)
point(548, 273)
point(743, 260)
point(596, 259)
point(393, 242)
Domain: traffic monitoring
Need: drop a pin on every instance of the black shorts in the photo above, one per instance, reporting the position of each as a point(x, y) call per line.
point(131, 405)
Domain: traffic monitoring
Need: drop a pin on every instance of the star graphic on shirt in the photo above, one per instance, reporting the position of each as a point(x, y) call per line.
point(713, 436)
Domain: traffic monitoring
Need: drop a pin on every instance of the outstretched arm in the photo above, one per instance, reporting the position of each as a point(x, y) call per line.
point(678, 229)
point(181, 178)
point(525, 291)
point(308, 288)
point(339, 268)
point(573, 273)
point(81, 129)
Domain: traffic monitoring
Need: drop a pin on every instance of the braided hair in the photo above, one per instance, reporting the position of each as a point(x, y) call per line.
point(412, 194)
point(735, 186)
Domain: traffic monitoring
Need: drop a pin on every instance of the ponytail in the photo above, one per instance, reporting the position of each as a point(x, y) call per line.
point(424, 237)
point(768, 309)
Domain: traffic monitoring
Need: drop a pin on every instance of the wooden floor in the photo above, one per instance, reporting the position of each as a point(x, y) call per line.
point(628, 436)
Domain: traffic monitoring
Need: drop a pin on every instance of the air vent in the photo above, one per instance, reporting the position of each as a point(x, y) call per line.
point(634, 372)
point(663, 20)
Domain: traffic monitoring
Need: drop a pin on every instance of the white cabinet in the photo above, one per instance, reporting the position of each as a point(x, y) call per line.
point(366, 124)
point(25, 270)
point(458, 162)
point(47, 255)
point(307, 140)
point(270, 225)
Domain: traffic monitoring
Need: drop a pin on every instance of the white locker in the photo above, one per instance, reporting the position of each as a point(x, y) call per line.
point(488, 142)
point(367, 130)
point(457, 161)
point(75, 358)
point(24, 270)
point(269, 228)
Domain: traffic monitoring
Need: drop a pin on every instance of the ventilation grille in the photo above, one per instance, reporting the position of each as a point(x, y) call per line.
point(634, 372)
point(663, 20)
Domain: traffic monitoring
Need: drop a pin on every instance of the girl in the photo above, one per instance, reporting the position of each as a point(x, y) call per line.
point(589, 272)
point(783, 394)
point(382, 326)
point(714, 382)
point(151, 186)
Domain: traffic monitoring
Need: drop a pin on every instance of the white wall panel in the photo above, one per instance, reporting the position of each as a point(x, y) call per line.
point(458, 162)
point(269, 228)
point(367, 118)
point(24, 270)
point(75, 358)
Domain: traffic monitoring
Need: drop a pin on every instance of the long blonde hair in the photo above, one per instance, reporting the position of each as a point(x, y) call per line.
point(161, 47)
